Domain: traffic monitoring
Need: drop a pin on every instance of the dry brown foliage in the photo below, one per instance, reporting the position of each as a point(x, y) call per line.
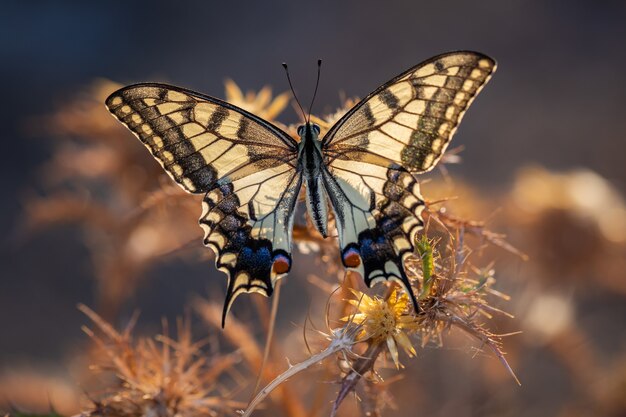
point(571, 226)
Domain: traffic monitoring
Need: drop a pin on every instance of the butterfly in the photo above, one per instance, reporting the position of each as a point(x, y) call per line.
point(251, 172)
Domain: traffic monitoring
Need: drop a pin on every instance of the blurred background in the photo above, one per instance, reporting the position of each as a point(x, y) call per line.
point(542, 161)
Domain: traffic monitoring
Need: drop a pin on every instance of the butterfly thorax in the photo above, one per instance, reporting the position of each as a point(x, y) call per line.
point(310, 163)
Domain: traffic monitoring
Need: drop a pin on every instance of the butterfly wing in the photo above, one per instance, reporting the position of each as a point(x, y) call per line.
point(244, 165)
point(401, 128)
point(377, 214)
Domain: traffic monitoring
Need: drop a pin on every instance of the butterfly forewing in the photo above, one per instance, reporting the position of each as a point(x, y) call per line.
point(401, 128)
point(244, 165)
point(199, 139)
point(410, 120)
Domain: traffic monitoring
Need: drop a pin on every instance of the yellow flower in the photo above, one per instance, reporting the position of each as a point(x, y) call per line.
point(385, 321)
point(261, 104)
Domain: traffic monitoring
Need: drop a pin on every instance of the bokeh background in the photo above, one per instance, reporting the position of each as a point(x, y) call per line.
point(544, 143)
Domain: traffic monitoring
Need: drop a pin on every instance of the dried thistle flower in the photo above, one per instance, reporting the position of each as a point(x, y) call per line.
point(173, 379)
point(450, 297)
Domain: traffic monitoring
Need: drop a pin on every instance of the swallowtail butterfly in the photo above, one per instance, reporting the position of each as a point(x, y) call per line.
point(251, 172)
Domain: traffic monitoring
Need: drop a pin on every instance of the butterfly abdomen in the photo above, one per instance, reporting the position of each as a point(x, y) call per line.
point(316, 204)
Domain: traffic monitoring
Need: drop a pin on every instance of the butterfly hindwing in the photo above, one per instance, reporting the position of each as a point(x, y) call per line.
point(245, 166)
point(248, 224)
point(410, 120)
point(377, 213)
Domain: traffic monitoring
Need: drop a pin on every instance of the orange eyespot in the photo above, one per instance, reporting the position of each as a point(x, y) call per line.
point(280, 266)
point(351, 259)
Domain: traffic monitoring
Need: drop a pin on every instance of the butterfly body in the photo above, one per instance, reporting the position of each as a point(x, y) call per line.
point(251, 172)
point(311, 164)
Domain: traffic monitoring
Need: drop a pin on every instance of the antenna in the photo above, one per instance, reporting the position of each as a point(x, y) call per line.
point(293, 92)
point(317, 83)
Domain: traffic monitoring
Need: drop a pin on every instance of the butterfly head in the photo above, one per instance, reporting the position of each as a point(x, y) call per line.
point(309, 129)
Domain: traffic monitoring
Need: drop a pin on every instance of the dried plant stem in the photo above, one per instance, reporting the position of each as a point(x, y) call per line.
point(360, 367)
point(270, 335)
point(322, 391)
point(487, 340)
point(343, 341)
point(238, 335)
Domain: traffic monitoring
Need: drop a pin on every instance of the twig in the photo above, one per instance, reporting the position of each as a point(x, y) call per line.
point(343, 340)
point(270, 335)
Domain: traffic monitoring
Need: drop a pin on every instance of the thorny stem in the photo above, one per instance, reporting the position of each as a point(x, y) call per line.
point(460, 253)
point(343, 339)
point(369, 394)
point(486, 340)
point(237, 335)
point(362, 365)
